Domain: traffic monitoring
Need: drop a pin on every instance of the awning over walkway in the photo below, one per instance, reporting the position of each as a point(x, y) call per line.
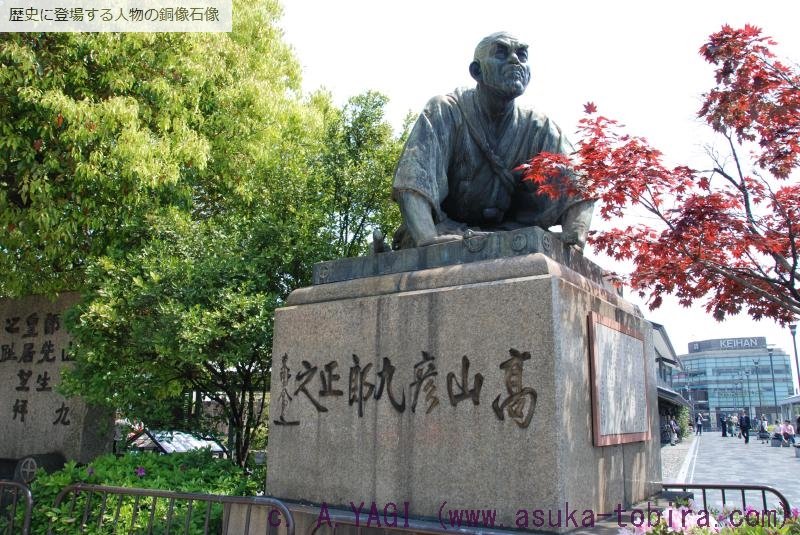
point(791, 400)
point(790, 408)
point(670, 396)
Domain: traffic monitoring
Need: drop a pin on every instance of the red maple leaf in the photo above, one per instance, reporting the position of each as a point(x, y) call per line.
point(724, 238)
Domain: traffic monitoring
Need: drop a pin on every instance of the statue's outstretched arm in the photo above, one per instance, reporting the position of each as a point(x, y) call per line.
point(417, 215)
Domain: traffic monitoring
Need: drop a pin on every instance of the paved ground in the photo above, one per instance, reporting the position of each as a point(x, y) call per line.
point(672, 458)
point(730, 460)
point(709, 458)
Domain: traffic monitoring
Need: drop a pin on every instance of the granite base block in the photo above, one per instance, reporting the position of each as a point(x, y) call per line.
point(39, 420)
point(454, 388)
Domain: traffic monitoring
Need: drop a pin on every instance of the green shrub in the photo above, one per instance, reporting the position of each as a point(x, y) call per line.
point(196, 472)
point(683, 421)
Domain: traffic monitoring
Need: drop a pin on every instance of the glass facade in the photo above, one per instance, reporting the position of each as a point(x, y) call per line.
point(727, 375)
point(666, 374)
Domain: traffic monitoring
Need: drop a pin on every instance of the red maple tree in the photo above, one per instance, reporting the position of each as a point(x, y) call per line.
point(728, 234)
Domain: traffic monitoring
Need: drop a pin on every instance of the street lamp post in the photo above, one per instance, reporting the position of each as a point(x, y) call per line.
point(758, 386)
point(741, 394)
point(793, 330)
point(772, 372)
point(749, 399)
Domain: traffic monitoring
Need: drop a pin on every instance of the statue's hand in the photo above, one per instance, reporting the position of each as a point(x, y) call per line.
point(576, 240)
point(444, 238)
point(378, 244)
point(575, 226)
point(569, 238)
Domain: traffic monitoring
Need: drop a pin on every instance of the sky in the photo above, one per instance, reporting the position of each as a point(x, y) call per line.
point(637, 61)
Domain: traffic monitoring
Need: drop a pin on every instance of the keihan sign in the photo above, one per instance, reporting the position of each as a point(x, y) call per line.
point(755, 342)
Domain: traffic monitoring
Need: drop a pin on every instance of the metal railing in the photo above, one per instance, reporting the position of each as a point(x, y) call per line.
point(335, 518)
point(728, 491)
point(170, 512)
point(167, 512)
point(11, 492)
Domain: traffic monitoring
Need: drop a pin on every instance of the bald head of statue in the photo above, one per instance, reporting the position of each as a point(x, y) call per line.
point(500, 65)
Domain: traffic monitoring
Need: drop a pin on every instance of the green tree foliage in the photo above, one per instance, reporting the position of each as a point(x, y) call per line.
point(683, 420)
point(191, 310)
point(100, 133)
point(183, 184)
point(352, 178)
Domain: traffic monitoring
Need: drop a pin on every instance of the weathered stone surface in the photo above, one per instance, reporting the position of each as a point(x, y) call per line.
point(37, 419)
point(524, 311)
point(507, 244)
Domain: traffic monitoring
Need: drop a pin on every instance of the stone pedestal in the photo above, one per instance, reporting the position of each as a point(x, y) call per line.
point(37, 420)
point(465, 387)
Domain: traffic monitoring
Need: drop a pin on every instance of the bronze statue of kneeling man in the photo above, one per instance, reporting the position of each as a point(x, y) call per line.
point(456, 174)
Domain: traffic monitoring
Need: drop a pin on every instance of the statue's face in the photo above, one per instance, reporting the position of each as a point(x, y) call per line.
point(504, 66)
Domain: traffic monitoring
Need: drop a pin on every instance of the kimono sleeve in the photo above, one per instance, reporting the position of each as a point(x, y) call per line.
point(423, 165)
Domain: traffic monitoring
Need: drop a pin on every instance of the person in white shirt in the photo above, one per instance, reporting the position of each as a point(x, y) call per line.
point(777, 430)
point(763, 433)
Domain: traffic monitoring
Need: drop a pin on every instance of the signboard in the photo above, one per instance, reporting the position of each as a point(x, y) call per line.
point(620, 413)
point(753, 342)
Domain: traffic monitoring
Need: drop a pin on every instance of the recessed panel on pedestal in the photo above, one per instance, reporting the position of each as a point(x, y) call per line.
point(619, 386)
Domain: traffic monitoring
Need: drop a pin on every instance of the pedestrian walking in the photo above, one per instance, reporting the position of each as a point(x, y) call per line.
point(698, 424)
point(723, 425)
point(729, 421)
point(736, 429)
point(744, 427)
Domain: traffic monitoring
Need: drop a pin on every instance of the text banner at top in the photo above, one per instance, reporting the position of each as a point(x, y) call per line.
point(116, 16)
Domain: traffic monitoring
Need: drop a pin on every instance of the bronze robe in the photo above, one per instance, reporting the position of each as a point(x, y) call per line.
point(456, 160)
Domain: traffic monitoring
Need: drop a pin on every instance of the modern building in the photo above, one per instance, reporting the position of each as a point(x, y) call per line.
point(790, 410)
point(728, 375)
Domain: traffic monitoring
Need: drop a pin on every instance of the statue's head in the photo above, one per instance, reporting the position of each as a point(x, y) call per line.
point(501, 64)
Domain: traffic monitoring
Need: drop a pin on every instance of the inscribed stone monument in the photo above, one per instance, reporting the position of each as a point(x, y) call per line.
point(37, 419)
point(469, 384)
